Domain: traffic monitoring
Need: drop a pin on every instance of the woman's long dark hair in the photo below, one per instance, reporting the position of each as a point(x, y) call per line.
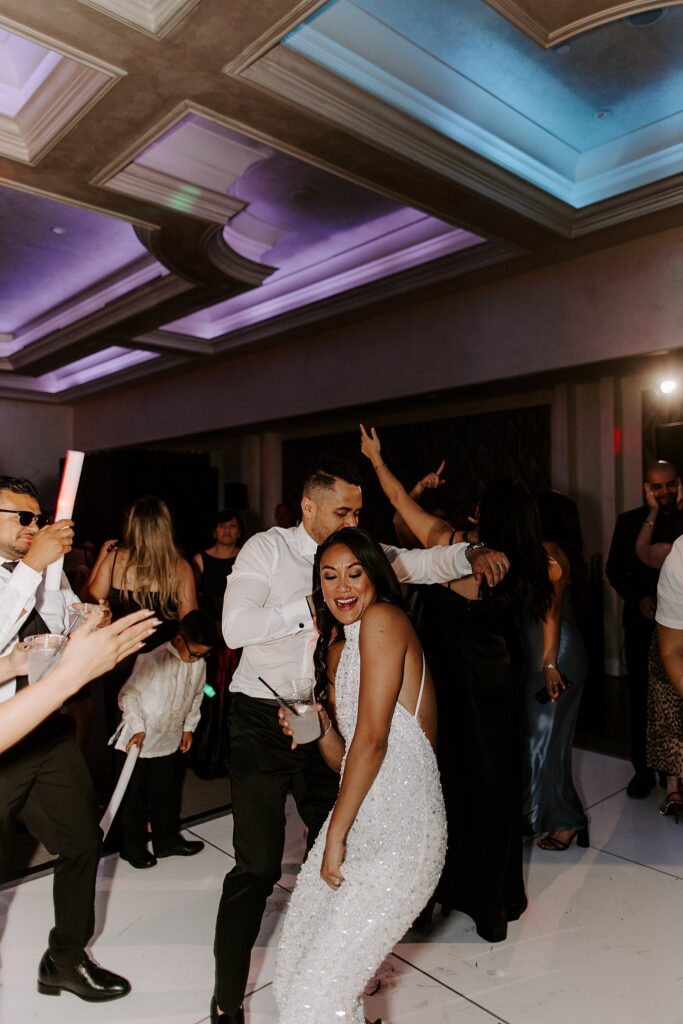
point(509, 522)
point(378, 570)
point(560, 525)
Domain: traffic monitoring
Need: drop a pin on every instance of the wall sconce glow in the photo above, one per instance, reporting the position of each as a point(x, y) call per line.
point(668, 386)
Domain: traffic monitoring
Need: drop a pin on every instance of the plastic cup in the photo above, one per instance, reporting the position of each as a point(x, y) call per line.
point(78, 613)
point(43, 652)
point(302, 714)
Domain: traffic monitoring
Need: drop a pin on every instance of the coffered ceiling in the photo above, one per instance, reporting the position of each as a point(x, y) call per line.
point(181, 180)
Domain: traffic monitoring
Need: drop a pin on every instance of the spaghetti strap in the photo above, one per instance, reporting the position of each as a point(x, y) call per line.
point(422, 686)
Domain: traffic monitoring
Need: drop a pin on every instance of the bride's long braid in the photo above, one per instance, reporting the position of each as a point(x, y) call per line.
point(328, 631)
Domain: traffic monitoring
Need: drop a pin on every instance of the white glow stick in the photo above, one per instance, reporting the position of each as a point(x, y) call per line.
point(65, 506)
point(121, 786)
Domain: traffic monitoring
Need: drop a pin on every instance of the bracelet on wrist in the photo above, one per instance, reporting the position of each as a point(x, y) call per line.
point(379, 466)
point(648, 523)
point(550, 665)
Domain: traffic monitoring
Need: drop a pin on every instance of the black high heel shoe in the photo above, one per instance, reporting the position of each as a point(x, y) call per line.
point(225, 1018)
point(556, 845)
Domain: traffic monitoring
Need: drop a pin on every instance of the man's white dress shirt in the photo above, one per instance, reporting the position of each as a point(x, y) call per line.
point(20, 592)
point(162, 698)
point(266, 613)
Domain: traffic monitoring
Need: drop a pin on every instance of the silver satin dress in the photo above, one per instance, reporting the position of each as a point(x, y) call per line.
point(550, 798)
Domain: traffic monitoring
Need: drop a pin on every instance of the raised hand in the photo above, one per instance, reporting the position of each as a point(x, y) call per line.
point(50, 544)
point(650, 498)
point(370, 446)
point(429, 482)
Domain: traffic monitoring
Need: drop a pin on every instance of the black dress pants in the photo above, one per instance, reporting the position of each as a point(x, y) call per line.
point(637, 636)
point(153, 794)
point(263, 770)
point(45, 780)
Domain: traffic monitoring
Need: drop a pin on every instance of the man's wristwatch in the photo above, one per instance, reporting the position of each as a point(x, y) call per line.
point(473, 547)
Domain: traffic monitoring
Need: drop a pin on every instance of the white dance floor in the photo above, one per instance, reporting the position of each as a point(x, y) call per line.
point(601, 941)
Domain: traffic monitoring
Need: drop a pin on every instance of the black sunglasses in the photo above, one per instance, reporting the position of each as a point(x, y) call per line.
point(27, 518)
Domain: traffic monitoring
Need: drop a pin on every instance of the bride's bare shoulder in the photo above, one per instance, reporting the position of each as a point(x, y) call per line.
point(382, 617)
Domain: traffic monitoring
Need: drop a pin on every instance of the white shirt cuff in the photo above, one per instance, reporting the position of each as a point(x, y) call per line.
point(297, 615)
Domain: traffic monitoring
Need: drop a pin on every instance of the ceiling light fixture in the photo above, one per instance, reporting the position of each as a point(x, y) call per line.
point(562, 49)
point(58, 231)
point(603, 114)
point(303, 195)
point(646, 18)
point(668, 386)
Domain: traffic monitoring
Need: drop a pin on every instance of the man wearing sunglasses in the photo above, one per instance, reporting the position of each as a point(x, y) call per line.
point(44, 777)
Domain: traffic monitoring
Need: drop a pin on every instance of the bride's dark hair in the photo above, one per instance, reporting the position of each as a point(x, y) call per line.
point(378, 570)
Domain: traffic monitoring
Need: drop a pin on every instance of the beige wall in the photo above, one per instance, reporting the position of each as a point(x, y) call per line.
point(33, 438)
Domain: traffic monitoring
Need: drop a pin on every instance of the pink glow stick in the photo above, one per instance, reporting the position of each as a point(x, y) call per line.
point(65, 506)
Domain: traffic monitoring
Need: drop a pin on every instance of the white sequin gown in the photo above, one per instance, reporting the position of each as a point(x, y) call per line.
point(333, 942)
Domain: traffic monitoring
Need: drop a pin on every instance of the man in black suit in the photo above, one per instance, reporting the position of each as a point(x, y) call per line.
point(43, 777)
point(636, 584)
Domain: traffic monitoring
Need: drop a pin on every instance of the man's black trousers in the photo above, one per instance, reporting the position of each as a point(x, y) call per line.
point(263, 770)
point(46, 781)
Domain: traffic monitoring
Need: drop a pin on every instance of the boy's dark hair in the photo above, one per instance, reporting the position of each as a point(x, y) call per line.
point(16, 485)
point(325, 470)
point(198, 627)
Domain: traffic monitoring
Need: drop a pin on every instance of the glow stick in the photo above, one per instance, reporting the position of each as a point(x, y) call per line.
point(65, 506)
point(121, 786)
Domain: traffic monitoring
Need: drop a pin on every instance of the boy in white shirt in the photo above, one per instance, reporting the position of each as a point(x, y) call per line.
point(161, 705)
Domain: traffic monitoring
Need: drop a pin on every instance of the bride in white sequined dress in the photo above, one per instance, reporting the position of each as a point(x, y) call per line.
point(378, 859)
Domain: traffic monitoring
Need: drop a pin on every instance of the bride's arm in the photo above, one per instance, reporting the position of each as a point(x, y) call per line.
point(383, 640)
point(429, 529)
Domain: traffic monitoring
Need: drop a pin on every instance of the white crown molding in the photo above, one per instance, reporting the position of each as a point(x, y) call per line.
point(144, 297)
point(447, 268)
point(102, 293)
point(303, 83)
point(73, 86)
point(273, 35)
point(156, 18)
point(65, 97)
point(168, 341)
point(27, 389)
point(551, 23)
point(164, 190)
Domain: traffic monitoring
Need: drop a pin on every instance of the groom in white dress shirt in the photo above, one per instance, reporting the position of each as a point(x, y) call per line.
point(267, 613)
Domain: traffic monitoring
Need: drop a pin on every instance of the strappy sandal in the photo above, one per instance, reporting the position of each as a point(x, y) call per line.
point(556, 845)
point(673, 804)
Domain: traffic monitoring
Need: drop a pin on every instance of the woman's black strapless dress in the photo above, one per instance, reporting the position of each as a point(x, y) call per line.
point(475, 657)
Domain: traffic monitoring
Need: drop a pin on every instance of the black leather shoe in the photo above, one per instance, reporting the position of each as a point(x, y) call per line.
point(225, 1018)
point(640, 785)
point(183, 848)
point(86, 979)
point(145, 860)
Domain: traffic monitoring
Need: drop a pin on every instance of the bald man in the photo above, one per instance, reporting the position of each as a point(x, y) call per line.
point(636, 584)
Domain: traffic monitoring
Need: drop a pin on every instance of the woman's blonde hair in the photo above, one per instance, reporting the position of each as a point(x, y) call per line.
point(153, 566)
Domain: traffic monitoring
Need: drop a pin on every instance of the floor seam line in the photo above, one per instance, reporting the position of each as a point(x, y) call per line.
point(449, 988)
point(639, 864)
point(210, 843)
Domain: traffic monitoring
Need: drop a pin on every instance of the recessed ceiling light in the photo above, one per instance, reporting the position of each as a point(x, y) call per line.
point(303, 195)
point(668, 386)
point(58, 231)
point(646, 18)
point(562, 49)
point(603, 114)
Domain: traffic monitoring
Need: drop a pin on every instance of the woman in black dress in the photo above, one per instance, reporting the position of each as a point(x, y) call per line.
point(472, 637)
point(210, 754)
